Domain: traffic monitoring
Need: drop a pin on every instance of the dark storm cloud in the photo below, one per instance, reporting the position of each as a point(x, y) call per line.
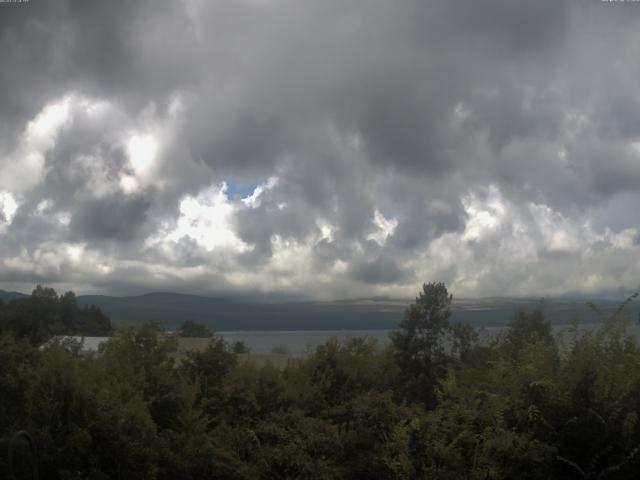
point(380, 270)
point(109, 218)
point(132, 52)
point(29, 229)
point(621, 118)
point(82, 138)
point(361, 109)
point(507, 28)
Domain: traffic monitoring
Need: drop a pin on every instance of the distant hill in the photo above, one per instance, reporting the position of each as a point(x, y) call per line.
point(8, 296)
point(226, 314)
point(223, 314)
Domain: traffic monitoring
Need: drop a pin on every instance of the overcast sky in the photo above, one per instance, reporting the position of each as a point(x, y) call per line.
point(320, 149)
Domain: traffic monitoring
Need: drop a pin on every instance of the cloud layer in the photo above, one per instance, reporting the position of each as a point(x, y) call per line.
point(303, 149)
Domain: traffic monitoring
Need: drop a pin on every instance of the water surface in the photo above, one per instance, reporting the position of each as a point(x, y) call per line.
point(299, 342)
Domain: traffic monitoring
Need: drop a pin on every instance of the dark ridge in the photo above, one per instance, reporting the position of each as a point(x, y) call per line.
point(8, 296)
point(229, 314)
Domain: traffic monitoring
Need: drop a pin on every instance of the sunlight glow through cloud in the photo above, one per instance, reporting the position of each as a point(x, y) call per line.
point(8, 207)
point(385, 228)
point(142, 151)
point(24, 167)
point(207, 219)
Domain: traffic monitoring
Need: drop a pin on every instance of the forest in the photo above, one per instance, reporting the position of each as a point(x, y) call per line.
point(435, 404)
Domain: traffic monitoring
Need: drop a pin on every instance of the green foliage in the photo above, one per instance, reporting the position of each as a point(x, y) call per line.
point(194, 330)
point(239, 347)
point(419, 346)
point(464, 342)
point(45, 314)
point(527, 328)
point(435, 404)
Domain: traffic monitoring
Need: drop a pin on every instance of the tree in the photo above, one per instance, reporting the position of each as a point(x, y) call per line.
point(464, 341)
point(46, 293)
point(528, 327)
point(208, 367)
point(418, 345)
point(91, 321)
point(193, 329)
point(45, 314)
point(240, 347)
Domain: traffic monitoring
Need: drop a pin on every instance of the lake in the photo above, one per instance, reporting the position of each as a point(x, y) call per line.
point(298, 342)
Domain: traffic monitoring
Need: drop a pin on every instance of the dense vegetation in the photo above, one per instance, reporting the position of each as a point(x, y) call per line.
point(435, 404)
point(45, 314)
point(191, 329)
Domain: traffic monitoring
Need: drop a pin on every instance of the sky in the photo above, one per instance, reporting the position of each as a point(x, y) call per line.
point(304, 149)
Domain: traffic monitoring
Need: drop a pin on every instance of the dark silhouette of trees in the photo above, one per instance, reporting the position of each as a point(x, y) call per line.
point(240, 347)
point(419, 343)
point(194, 330)
point(434, 404)
point(529, 327)
point(44, 314)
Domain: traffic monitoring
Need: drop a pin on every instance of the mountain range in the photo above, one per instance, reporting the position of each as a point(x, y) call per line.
point(224, 314)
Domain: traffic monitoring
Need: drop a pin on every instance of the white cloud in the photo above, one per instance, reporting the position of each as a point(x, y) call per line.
point(23, 168)
point(384, 228)
point(142, 151)
point(506, 249)
point(253, 200)
point(8, 208)
point(484, 215)
point(207, 219)
point(502, 179)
